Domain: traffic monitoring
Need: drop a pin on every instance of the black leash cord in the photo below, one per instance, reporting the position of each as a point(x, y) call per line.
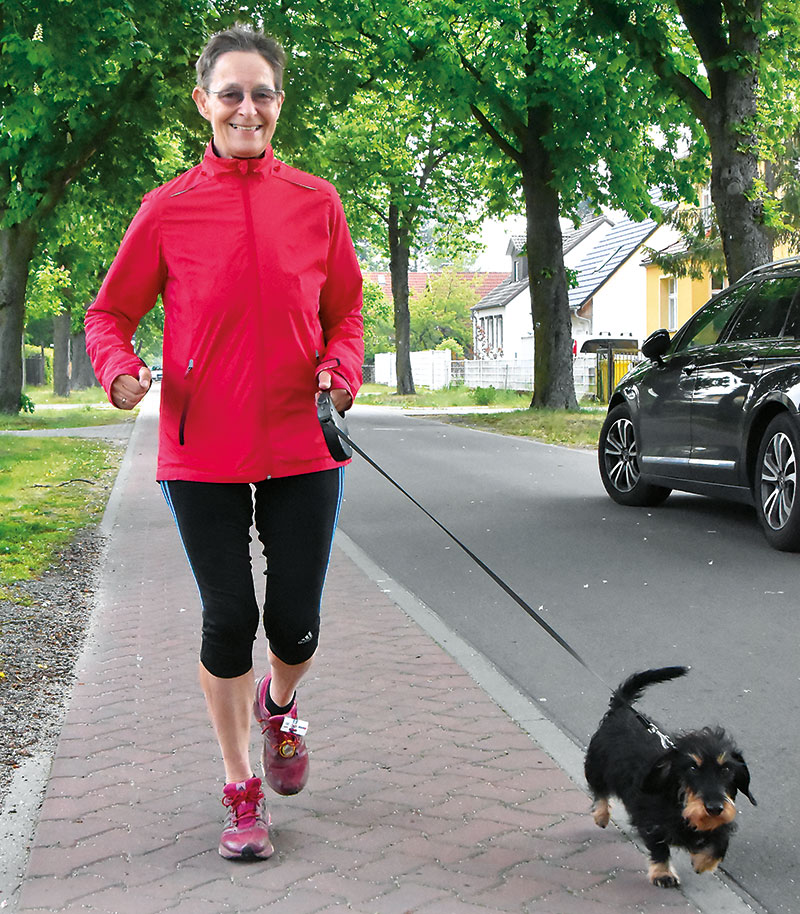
point(666, 742)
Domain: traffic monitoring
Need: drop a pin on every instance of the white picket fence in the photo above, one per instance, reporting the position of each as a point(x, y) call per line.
point(433, 368)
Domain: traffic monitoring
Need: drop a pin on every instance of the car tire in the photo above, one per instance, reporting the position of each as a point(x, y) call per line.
point(618, 456)
point(775, 491)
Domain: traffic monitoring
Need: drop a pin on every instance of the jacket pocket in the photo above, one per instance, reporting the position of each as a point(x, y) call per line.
point(186, 404)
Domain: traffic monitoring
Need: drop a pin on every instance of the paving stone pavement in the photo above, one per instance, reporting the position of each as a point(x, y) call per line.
point(424, 796)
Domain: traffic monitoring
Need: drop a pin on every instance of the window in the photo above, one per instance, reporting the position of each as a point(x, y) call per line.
point(764, 315)
point(672, 304)
point(706, 326)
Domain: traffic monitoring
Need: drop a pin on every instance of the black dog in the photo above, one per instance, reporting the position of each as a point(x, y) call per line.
point(678, 790)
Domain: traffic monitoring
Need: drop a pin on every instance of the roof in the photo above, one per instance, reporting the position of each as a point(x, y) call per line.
point(571, 238)
point(418, 281)
point(607, 257)
point(501, 295)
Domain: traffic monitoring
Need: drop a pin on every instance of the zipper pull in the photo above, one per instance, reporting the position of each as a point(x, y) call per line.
point(189, 367)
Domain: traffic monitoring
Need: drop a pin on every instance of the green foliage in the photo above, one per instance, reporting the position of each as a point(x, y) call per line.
point(377, 313)
point(442, 311)
point(484, 396)
point(26, 405)
point(452, 346)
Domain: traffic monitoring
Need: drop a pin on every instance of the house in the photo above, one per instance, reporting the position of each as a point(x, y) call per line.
point(502, 319)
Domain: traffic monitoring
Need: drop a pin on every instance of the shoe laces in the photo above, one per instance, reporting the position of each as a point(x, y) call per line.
point(284, 743)
point(243, 805)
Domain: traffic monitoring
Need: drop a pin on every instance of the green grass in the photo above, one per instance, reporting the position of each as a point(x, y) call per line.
point(85, 408)
point(554, 426)
point(457, 395)
point(50, 488)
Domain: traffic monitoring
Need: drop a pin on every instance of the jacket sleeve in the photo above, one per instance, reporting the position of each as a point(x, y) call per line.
point(130, 289)
point(340, 307)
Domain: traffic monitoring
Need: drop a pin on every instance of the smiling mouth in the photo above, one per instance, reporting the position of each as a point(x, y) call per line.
point(248, 129)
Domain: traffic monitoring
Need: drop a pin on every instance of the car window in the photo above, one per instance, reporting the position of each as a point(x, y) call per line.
point(706, 326)
point(791, 330)
point(764, 315)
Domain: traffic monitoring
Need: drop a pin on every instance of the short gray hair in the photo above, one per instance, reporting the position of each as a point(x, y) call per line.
point(240, 38)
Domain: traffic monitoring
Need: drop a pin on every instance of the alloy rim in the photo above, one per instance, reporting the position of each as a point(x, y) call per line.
point(621, 457)
point(778, 481)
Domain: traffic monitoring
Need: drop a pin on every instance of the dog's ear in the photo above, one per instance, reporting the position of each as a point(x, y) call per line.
point(659, 774)
point(742, 776)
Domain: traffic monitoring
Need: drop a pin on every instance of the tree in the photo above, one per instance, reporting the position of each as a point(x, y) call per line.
point(377, 314)
point(85, 87)
point(727, 61)
point(560, 106)
point(401, 165)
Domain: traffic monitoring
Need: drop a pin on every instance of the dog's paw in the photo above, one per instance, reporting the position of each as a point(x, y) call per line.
point(705, 862)
point(664, 876)
point(601, 813)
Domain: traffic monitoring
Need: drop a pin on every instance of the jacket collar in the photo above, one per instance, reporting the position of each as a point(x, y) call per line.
point(216, 165)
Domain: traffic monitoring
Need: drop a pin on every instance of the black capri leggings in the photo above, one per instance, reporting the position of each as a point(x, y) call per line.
point(295, 518)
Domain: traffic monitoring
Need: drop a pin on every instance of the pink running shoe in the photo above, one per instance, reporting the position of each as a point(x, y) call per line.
point(284, 756)
point(246, 833)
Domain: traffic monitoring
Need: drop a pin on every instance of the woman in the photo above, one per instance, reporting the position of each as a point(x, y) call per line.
point(262, 300)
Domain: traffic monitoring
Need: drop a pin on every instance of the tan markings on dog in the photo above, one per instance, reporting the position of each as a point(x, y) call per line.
point(601, 812)
point(705, 862)
point(697, 816)
point(663, 875)
point(697, 759)
point(722, 758)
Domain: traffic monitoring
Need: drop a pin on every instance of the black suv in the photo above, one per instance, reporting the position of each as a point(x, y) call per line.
point(714, 410)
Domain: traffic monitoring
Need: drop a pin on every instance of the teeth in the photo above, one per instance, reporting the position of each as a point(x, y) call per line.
point(250, 129)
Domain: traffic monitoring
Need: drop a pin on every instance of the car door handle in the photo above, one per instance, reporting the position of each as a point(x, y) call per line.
point(749, 360)
point(688, 369)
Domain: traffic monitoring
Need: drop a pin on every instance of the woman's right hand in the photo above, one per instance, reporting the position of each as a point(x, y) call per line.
point(127, 391)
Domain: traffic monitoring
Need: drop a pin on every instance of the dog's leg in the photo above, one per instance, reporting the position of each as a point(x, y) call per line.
point(601, 811)
point(663, 875)
point(661, 872)
point(705, 861)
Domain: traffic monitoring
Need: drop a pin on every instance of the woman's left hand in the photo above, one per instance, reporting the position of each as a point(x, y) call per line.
point(341, 399)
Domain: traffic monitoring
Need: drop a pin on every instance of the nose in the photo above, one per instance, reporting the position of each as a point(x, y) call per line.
point(715, 808)
point(247, 106)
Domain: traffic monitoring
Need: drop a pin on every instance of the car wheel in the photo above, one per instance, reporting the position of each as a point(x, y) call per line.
point(776, 496)
point(618, 455)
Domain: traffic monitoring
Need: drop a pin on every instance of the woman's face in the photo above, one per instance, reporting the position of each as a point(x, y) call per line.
point(242, 130)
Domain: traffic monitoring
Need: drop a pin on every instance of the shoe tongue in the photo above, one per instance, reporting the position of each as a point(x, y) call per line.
point(241, 785)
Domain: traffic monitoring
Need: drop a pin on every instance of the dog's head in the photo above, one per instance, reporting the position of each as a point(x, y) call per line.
point(706, 770)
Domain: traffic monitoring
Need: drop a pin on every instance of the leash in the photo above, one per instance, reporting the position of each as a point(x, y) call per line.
point(334, 427)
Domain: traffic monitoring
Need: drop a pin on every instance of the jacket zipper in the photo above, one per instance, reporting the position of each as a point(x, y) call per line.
point(186, 402)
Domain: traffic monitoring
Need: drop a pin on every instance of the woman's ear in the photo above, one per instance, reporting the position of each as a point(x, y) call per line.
point(201, 100)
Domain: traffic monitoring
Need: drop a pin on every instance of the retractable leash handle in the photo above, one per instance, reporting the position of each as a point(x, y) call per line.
point(334, 428)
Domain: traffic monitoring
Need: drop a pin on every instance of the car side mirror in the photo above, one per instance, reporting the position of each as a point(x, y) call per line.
point(656, 345)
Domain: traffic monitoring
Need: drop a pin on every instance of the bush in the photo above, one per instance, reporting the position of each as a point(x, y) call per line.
point(484, 396)
point(26, 405)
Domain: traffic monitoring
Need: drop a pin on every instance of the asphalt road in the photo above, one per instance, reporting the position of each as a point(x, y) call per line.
point(691, 582)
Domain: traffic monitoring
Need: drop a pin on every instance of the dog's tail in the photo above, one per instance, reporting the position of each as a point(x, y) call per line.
point(631, 690)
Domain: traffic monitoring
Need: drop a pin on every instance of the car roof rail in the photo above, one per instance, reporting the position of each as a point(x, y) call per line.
point(769, 266)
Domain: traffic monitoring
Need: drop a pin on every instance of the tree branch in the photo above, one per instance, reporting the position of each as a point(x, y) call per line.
point(496, 137)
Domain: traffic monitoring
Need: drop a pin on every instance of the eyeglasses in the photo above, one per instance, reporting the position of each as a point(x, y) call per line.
point(261, 96)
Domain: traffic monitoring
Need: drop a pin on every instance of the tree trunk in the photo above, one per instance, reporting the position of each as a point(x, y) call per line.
point(82, 372)
point(746, 241)
point(398, 267)
point(728, 117)
point(553, 381)
point(61, 328)
point(16, 250)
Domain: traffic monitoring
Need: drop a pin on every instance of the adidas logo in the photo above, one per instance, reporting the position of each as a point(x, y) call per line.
point(306, 638)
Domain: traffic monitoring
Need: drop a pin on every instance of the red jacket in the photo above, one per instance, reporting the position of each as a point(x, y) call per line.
point(261, 291)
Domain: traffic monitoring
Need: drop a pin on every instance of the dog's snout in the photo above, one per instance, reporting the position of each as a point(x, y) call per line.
point(715, 808)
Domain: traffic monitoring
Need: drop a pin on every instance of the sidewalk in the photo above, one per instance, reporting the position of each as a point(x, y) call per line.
point(424, 796)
